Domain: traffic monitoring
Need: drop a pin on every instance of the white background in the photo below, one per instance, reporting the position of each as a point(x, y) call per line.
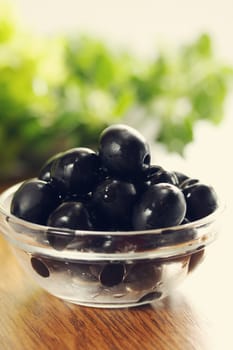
point(136, 23)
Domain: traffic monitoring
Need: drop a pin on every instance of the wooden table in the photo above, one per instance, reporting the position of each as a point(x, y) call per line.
point(198, 316)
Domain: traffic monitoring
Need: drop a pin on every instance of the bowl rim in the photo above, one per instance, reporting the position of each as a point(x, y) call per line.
point(30, 225)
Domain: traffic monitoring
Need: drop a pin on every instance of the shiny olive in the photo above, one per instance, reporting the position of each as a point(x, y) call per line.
point(123, 151)
point(201, 201)
point(45, 171)
point(34, 201)
point(76, 170)
point(72, 215)
point(162, 176)
point(112, 204)
point(162, 205)
point(69, 215)
point(181, 177)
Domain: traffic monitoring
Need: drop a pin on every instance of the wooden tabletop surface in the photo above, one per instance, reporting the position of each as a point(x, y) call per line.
point(198, 316)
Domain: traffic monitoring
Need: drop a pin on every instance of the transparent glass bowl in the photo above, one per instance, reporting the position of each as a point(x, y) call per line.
point(108, 269)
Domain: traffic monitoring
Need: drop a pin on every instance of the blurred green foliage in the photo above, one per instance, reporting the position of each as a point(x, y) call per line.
point(60, 92)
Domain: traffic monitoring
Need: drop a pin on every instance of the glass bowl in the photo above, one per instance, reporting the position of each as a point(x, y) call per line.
point(108, 269)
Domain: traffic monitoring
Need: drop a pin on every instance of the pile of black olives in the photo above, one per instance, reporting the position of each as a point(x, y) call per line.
point(114, 189)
